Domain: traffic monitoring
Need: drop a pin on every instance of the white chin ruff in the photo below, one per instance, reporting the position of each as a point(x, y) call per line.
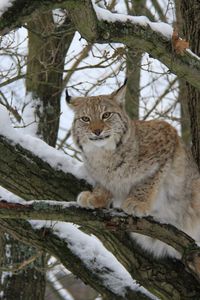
point(100, 143)
point(107, 143)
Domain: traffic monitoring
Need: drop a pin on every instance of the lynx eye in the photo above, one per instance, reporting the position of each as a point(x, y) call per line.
point(85, 119)
point(106, 115)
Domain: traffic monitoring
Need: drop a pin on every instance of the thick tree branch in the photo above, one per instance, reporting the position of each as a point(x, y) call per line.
point(109, 227)
point(111, 220)
point(28, 176)
point(105, 220)
point(186, 67)
point(44, 239)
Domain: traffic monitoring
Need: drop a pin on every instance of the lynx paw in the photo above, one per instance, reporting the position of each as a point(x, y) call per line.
point(84, 199)
point(91, 200)
point(135, 207)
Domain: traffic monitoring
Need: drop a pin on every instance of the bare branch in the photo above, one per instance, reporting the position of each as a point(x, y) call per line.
point(158, 46)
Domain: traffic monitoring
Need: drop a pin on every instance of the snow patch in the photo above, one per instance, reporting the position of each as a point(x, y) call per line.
point(4, 5)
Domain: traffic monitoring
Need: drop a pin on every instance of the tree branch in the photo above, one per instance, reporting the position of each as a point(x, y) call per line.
point(186, 67)
point(110, 226)
point(45, 239)
point(111, 220)
point(29, 177)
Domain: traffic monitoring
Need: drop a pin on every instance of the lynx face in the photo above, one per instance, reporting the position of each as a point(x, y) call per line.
point(99, 121)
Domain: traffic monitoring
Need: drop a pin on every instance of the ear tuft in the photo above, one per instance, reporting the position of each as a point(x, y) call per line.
point(67, 97)
point(125, 81)
point(119, 95)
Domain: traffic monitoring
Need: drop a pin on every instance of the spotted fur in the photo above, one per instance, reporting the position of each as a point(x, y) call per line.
point(139, 166)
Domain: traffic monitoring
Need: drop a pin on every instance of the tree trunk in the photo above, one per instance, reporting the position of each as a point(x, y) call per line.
point(191, 27)
point(183, 97)
point(17, 282)
point(47, 50)
point(133, 68)
point(133, 86)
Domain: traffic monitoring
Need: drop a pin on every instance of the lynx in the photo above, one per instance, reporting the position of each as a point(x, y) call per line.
point(141, 167)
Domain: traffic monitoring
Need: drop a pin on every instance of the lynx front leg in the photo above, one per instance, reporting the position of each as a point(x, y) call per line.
point(141, 199)
point(99, 198)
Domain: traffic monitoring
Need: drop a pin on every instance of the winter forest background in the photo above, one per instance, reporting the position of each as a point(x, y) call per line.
point(90, 47)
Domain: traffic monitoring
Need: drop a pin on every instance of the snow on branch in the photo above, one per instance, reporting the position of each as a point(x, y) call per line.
point(95, 256)
point(105, 220)
point(4, 5)
point(105, 15)
point(81, 254)
point(31, 169)
point(135, 32)
point(56, 159)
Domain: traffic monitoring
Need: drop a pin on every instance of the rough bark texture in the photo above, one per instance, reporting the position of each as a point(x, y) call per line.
point(111, 230)
point(133, 68)
point(191, 27)
point(133, 63)
point(46, 240)
point(183, 97)
point(29, 177)
point(110, 220)
point(185, 116)
point(48, 45)
point(20, 283)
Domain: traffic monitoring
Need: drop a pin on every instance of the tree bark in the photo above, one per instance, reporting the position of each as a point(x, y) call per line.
point(110, 227)
point(29, 177)
point(133, 68)
point(46, 240)
point(20, 283)
point(191, 28)
point(47, 47)
point(183, 97)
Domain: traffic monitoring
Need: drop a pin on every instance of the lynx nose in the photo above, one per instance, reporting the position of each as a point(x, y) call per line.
point(97, 131)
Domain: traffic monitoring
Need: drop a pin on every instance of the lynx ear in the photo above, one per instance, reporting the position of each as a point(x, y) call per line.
point(67, 97)
point(72, 102)
point(119, 95)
